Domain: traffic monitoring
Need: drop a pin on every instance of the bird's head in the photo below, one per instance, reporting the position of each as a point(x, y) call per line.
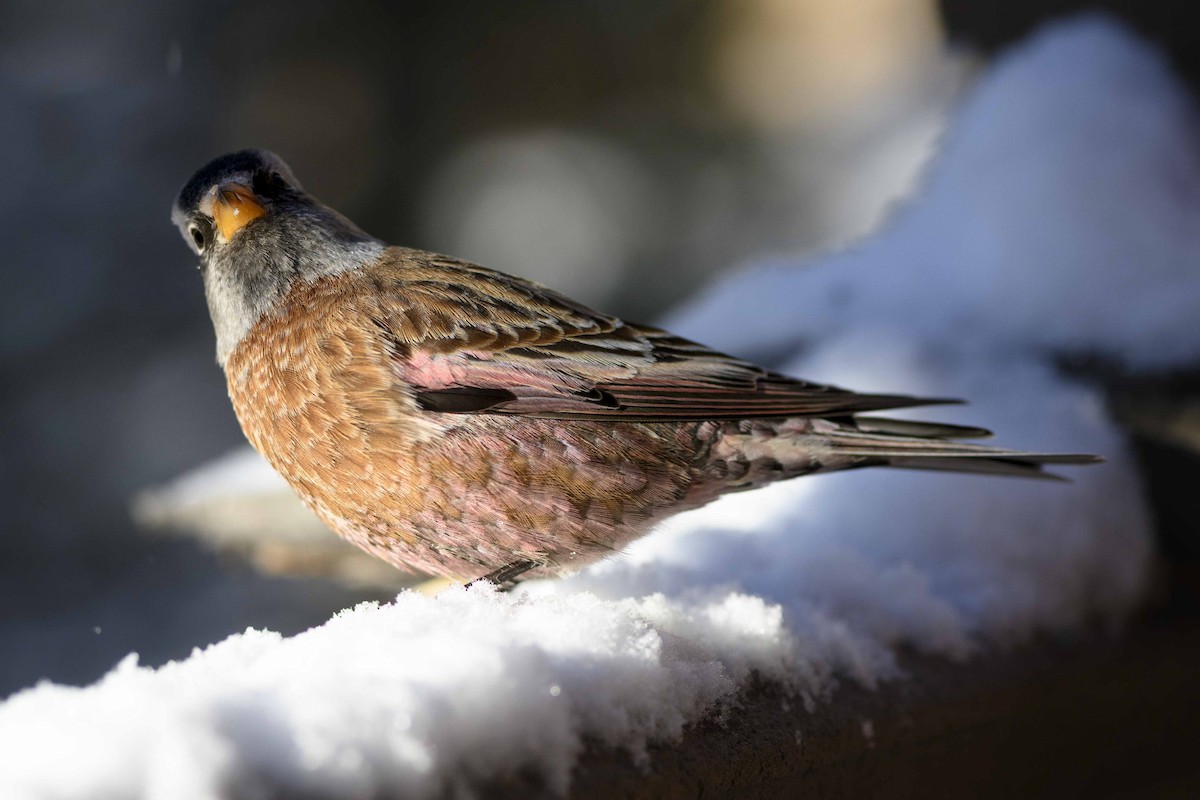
point(257, 234)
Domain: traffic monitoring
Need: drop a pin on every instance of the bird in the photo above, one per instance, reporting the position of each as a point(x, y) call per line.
point(458, 421)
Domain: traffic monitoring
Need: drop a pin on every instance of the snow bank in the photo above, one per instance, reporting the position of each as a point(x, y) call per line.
point(1061, 214)
point(1056, 219)
point(413, 698)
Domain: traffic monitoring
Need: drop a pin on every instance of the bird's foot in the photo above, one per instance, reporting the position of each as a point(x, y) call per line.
point(508, 576)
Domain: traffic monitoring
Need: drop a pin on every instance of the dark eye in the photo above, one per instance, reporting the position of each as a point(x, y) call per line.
point(197, 234)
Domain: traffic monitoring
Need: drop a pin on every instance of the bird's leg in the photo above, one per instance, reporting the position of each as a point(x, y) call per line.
point(507, 576)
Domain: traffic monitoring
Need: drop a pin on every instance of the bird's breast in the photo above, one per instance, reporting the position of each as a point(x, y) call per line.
point(315, 395)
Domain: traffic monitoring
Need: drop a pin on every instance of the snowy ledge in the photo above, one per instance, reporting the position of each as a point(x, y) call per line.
point(1093, 716)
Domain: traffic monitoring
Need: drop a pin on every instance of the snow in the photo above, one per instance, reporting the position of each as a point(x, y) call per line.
point(377, 698)
point(1055, 220)
point(237, 473)
point(1060, 214)
point(235, 500)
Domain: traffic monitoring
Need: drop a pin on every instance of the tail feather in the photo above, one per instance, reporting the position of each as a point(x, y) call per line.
point(979, 466)
point(928, 446)
point(923, 430)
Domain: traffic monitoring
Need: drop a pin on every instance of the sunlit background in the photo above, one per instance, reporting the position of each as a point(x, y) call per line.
point(623, 151)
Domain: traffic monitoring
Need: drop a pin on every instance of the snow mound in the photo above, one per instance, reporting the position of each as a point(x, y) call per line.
point(1060, 214)
point(1058, 218)
point(408, 699)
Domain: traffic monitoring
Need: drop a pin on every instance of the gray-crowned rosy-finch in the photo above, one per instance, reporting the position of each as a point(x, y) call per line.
point(463, 422)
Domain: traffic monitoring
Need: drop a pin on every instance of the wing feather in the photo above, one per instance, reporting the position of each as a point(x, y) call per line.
point(470, 340)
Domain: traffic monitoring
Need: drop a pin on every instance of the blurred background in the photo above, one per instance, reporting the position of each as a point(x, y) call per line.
point(624, 151)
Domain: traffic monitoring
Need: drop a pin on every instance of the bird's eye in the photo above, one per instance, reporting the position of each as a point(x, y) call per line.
point(198, 237)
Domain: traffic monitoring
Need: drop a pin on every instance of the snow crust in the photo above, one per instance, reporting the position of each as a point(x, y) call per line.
point(1060, 216)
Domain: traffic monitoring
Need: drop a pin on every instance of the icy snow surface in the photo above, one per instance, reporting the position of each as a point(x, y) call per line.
point(1060, 216)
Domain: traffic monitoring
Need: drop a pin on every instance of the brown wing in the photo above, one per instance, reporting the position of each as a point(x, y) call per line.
point(470, 340)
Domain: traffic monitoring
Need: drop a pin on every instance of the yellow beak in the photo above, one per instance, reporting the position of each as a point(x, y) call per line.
point(234, 206)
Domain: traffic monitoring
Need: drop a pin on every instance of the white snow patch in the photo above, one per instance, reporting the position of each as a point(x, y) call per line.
point(1060, 216)
point(416, 698)
point(237, 473)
